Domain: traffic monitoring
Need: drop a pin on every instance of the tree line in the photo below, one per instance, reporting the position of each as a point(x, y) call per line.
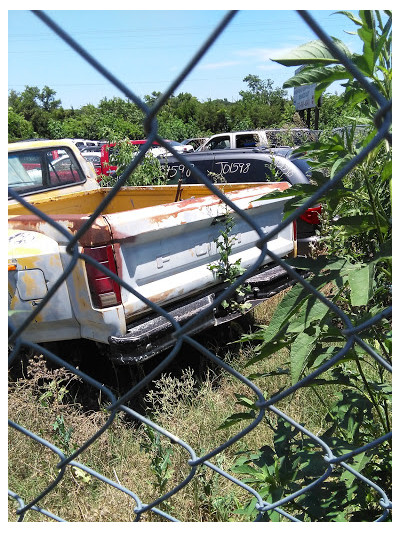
point(37, 113)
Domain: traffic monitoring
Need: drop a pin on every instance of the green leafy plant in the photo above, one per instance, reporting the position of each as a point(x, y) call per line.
point(63, 435)
point(51, 384)
point(227, 271)
point(353, 270)
point(160, 462)
point(149, 172)
point(208, 494)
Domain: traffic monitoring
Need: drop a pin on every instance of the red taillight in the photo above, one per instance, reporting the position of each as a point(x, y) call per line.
point(311, 216)
point(105, 292)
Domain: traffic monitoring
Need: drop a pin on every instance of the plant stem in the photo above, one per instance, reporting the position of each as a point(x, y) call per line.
point(371, 395)
point(375, 214)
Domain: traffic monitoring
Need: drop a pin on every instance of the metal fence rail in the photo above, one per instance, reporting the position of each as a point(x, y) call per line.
point(264, 404)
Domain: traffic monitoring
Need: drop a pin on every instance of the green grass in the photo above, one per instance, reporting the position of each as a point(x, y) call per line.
point(190, 403)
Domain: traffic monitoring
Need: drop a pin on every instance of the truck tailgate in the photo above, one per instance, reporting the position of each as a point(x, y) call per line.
point(164, 252)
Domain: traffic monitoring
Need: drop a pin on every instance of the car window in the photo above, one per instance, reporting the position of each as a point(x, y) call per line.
point(62, 170)
point(218, 143)
point(247, 140)
point(24, 171)
point(34, 170)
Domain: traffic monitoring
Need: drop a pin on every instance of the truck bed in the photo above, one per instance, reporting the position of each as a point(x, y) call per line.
point(163, 250)
point(128, 198)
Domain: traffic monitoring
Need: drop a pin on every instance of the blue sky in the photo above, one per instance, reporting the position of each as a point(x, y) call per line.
point(148, 49)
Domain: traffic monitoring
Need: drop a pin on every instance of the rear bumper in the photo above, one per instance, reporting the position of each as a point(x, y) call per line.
point(154, 334)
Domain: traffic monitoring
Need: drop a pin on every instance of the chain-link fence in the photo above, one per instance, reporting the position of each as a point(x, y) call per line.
point(265, 406)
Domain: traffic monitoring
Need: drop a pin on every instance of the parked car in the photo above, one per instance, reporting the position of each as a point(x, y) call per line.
point(241, 165)
point(271, 138)
point(93, 157)
point(84, 143)
point(91, 149)
point(251, 166)
point(181, 148)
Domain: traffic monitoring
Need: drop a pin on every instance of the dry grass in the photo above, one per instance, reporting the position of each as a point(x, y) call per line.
point(187, 406)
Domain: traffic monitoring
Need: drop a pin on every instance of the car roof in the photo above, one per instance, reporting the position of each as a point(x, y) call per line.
point(134, 141)
point(57, 143)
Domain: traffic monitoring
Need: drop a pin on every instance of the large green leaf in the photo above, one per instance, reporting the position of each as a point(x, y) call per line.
point(363, 63)
point(353, 96)
point(314, 310)
point(236, 418)
point(284, 311)
point(387, 171)
point(360, 282)
point(383, 39)
point(356, 224)
point(299, 353)
point(267, 350)
point(367, 33)
point(351, 16)
point(314, 52)
point(358, 463)
point(340, 163)
point(318, 75)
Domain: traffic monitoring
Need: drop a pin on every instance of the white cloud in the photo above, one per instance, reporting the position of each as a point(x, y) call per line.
point(254, 55)
point(263, 54)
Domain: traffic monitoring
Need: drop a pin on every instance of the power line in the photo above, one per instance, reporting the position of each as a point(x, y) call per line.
point(271, 26)
point(136, 48)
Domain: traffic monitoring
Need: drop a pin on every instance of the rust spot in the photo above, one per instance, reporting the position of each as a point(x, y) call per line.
point(100, 232)
point(96, 235)
point(118, 259)
point(163, 296)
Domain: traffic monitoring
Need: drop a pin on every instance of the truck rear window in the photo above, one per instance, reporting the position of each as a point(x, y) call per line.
point(36, 170)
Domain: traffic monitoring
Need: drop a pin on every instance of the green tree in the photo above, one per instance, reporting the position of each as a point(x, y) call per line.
point(36, 106)
point(334, 113)
point(261, 106)
point(18, 127)
point(150, 99)
point(148, 172)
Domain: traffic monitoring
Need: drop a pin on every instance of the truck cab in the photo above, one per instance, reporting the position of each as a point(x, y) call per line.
point(271, 138)
point(40, 169)
point(236, 139)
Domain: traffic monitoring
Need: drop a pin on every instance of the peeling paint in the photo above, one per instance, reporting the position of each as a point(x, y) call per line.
point(182, 231)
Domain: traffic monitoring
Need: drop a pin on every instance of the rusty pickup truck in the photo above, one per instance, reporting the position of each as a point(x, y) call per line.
point(160, 245)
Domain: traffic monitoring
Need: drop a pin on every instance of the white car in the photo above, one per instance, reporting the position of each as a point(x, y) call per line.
point(178, 147)
point(94, 158)
point(84, 143)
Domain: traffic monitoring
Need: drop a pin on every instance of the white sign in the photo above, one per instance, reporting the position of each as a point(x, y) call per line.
point(304, 96)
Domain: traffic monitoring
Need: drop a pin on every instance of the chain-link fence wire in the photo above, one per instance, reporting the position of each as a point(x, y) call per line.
point(265, 405)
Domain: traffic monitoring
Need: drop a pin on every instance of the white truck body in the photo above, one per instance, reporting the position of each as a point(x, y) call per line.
point(163, 251)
